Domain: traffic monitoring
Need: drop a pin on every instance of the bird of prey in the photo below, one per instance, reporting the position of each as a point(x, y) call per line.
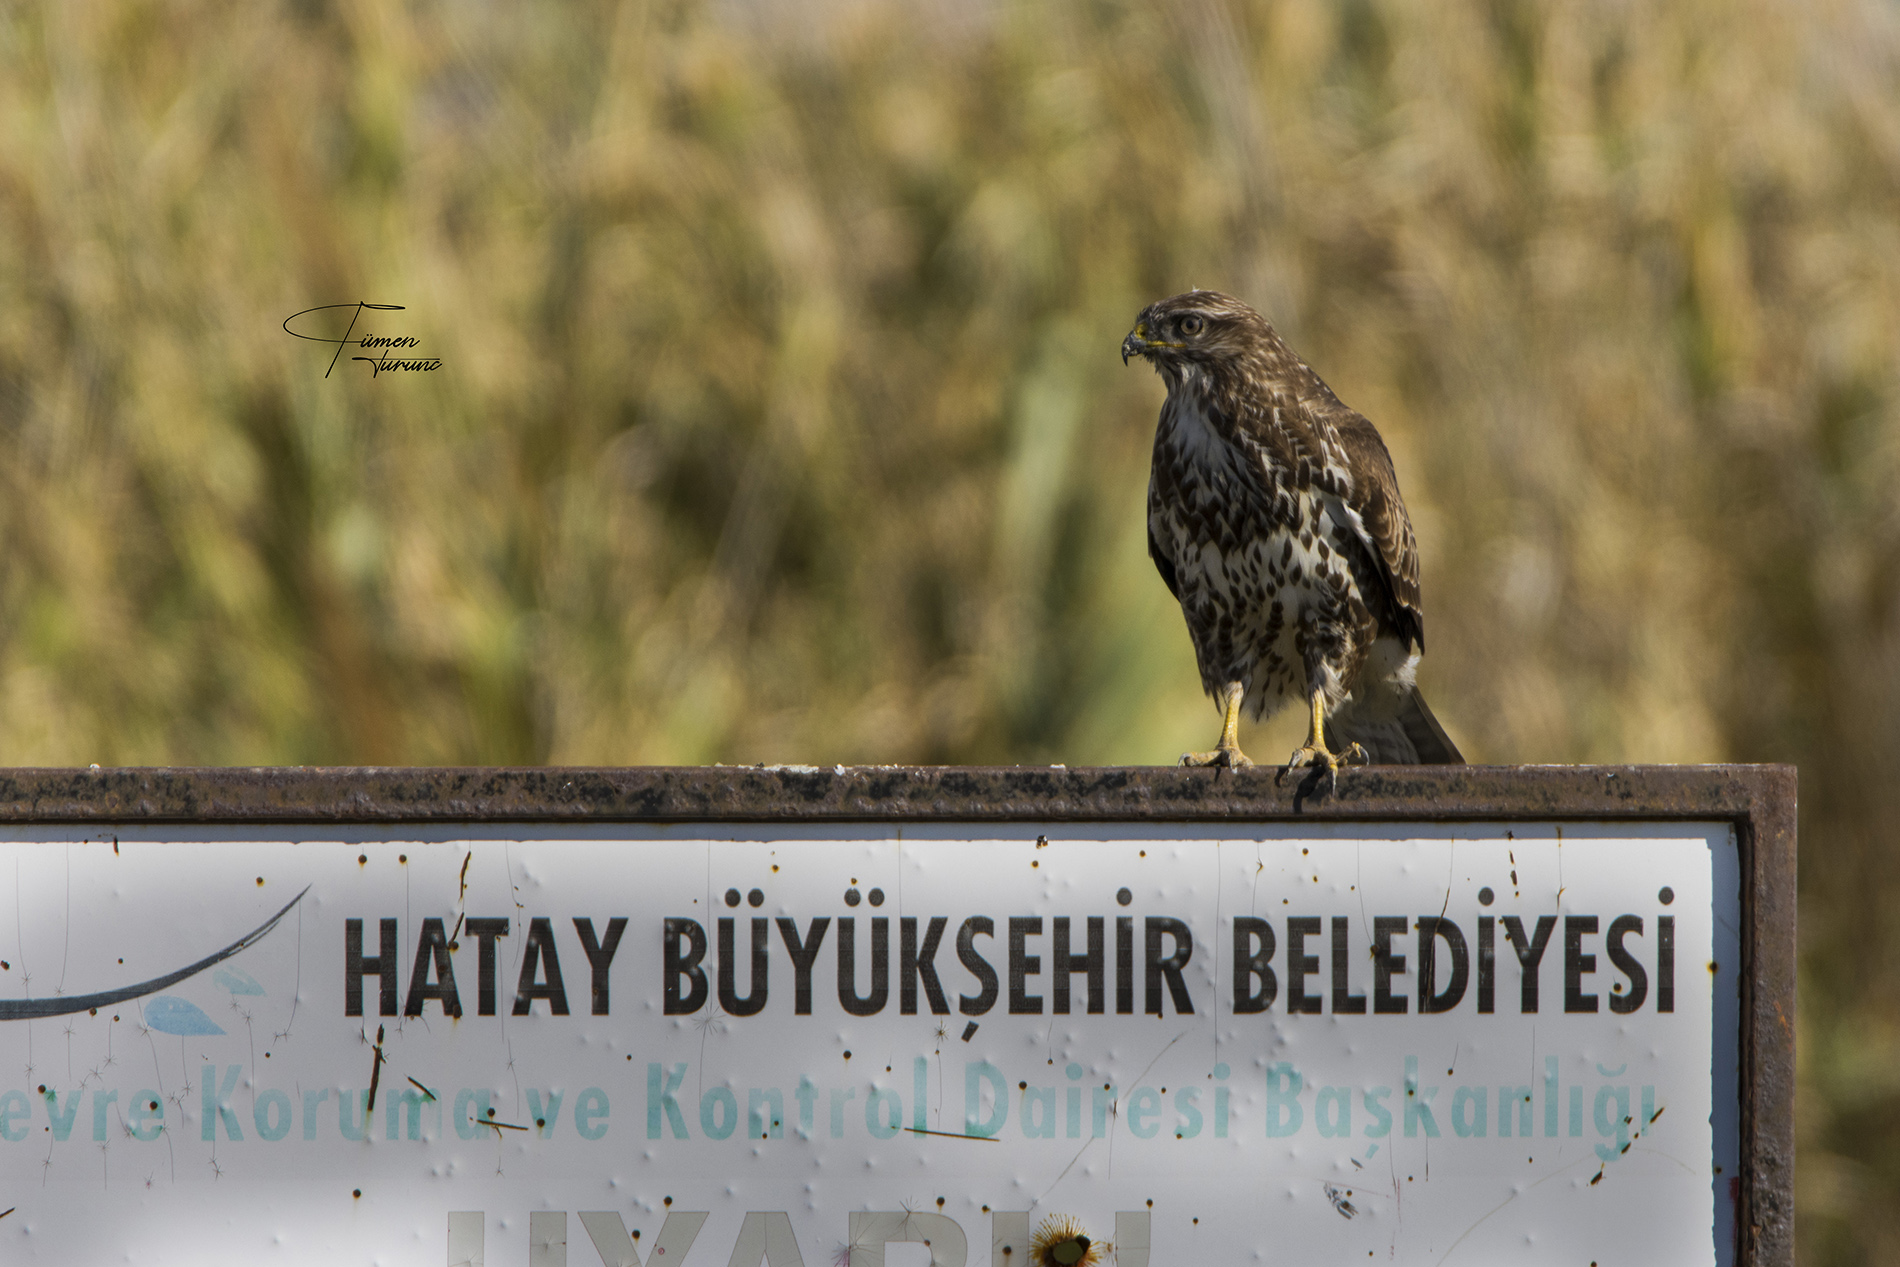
point(1274, 517)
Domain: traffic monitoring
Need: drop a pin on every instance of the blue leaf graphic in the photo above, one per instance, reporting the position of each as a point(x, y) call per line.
point(171, 1015)
point(237, 981)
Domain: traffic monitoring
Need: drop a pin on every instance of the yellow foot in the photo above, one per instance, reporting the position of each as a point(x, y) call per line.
point(1317, 755)
point(1233, 758)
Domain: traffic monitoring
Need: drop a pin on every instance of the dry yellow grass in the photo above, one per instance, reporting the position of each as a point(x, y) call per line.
point(780, 418)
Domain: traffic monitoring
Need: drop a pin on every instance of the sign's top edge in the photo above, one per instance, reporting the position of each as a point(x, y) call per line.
point(858, 793)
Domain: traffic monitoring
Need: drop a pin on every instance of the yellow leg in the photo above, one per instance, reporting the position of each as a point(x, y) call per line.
point(1314, 751)
point(1228, 752)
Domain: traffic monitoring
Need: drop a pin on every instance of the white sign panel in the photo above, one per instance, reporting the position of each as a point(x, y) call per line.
point(1011, 1045)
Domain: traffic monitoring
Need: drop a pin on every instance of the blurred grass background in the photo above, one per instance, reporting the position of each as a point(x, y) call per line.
point(780, 417)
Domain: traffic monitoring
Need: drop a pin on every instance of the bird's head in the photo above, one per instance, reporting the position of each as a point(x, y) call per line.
point(1200, 328)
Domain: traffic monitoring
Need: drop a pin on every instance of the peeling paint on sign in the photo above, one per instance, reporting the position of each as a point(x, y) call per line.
point(1035, 1044)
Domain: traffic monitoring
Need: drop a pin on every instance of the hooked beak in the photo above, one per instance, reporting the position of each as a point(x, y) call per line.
point(1135, 344)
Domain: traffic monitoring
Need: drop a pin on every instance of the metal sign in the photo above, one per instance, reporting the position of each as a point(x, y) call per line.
point(1023, 1018)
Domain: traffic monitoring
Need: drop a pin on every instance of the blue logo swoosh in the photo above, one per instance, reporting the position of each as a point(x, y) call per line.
point(31, 1009)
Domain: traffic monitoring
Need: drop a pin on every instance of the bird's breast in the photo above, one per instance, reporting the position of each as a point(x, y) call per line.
point(1260, 556)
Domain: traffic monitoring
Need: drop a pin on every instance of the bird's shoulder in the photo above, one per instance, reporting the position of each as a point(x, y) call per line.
point(1275, 406)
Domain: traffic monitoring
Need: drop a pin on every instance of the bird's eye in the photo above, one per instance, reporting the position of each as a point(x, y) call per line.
point(1192, 324)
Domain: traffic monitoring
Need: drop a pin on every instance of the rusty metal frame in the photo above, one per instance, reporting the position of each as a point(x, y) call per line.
point(1759, 801)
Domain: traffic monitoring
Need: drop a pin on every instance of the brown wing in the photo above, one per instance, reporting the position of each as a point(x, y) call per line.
point(1163, 564)
point(1375, 496)
point(1164, 561)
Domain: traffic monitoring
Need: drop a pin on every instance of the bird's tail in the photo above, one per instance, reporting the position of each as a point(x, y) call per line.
point(1429, 740)
point(1409, 735)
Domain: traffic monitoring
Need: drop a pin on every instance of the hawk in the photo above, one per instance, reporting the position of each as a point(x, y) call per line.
point(1274, 517)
